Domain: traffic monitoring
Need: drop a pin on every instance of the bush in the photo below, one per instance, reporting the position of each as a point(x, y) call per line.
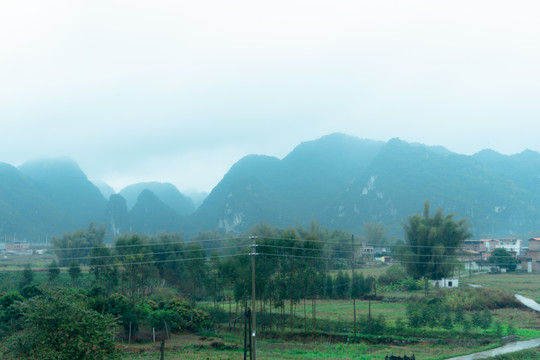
point(399, 324)
point(59, 326)
point(447, 322)
point(409, 284)
point(425, 313)
point(117, 305)
point(179, 315)
point(378, 324)
point(471, 299)
point(393, 275)
point(9, 311)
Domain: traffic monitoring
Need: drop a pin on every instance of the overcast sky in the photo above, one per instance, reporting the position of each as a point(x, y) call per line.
point(178, 91)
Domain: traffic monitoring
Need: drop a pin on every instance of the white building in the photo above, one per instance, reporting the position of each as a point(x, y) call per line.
point(445, 283)
point(510, 244)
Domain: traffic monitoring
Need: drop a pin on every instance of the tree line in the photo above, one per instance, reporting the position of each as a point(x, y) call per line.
point(291, 265)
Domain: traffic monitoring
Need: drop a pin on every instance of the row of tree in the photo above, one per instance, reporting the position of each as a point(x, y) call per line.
point(288, 268)
point(291, 264)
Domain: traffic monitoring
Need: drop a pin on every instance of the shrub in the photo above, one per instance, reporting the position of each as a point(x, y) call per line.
point(59, 326)
point(409, 284)
point(486, 319)
point(471, 299)
point(393, 275)
point(425, 313)
point(399, 324)
point(447, 322)
point(378, 324)
point(180, 315)
point(510, 330)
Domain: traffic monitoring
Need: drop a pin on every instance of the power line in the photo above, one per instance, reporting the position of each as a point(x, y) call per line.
point(147, 244)
point(130, 263)
point(115, 256)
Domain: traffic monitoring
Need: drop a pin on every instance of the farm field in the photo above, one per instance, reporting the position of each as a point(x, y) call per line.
point(18, 262)
point(330, 334)
point(519, 283)
point(300, 345)
point(192, 347)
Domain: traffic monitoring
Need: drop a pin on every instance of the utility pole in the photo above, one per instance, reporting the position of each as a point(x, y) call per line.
point(353, 285)
point(253, 350)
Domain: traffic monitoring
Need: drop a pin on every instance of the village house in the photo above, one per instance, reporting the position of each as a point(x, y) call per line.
point(510, 244)
point(531, 261)
point(486, 246)
point(17, 246)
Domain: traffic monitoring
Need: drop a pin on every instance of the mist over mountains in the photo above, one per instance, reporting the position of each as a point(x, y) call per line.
point(338, 180)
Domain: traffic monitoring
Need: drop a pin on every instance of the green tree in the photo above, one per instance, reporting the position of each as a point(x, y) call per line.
point(59, 326)
point(196, 268)
point(329, 287)
point(103, 267)
point(501, 258)
point(9, 312)
point(27, 277)
point(340, 249)
point(343, 285)
point(140, 276)
point(74, 271)
point(431, 244)
point(167, 252)
point(358, 286)
point(77, 245)
point(53, 271)
point(375, 234)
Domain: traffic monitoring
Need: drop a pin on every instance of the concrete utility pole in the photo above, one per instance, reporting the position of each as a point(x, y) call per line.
point(354, 284)
point(253, 350)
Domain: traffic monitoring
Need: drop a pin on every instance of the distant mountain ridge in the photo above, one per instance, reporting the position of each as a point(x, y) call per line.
point(344, 186)
point(166, 192)
point(339, 180)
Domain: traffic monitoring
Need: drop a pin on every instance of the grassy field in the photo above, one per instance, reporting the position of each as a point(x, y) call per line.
point(230, 345)
point(205, 347)
point(18, 262)
point(519, 283)
point(299, 345)
point(333, 317)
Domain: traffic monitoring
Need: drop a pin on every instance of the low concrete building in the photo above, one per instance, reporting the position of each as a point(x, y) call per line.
point(445, 283)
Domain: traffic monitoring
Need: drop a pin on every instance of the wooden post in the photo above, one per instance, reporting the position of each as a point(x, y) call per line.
point(162, 349)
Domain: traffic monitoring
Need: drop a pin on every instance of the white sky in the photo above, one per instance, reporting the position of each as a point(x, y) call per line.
point(178, 91)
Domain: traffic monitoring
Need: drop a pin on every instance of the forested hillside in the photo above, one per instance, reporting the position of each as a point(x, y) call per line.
point(338, 180)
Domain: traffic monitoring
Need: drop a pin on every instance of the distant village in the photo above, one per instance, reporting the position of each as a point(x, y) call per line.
point(528, 257)
point(474, 255)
